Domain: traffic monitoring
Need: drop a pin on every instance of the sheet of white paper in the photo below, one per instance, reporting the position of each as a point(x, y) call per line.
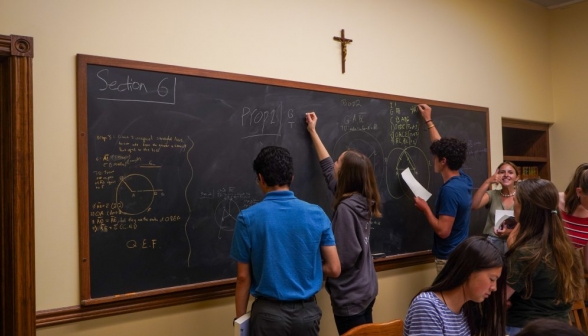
point(500, 216)
point(241, 325)
point(414, 185)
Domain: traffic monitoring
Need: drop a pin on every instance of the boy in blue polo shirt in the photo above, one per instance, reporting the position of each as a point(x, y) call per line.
point(279, 245)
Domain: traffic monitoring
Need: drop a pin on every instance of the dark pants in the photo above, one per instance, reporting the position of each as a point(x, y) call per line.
point(345, 323)
point(279, 318)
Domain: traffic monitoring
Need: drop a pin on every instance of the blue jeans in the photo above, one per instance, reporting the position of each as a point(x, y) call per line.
point(499, 243)
point(281, 318)
point(345, 323)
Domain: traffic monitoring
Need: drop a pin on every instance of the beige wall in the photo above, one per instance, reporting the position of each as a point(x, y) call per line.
point(569, 28)
point(487, 53)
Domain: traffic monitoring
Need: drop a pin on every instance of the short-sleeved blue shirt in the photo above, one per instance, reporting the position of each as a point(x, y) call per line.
point(280, 237)
point(455, 200)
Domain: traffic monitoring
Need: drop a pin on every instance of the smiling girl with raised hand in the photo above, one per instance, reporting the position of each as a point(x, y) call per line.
point(466, 298)
point(507, 176)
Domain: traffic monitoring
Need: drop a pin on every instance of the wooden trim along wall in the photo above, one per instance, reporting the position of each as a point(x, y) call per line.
point(17, 244)
point(57, 316)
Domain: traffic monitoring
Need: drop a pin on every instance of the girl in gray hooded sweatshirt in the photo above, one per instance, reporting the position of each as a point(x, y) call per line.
point(352, 181)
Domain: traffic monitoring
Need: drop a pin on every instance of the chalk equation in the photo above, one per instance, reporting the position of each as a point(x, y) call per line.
point(266, 121)
point(404, 130)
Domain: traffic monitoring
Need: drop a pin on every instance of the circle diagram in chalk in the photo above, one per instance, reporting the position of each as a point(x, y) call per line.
point(226, 214)
point(398, 160)
point(364, 143)
point(134, 194)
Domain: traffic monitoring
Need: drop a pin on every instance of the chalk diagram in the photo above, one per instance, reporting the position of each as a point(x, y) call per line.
point(390, 166)
point(225, 215)
point(135, 194)
point(397, 161)
point(362, 142)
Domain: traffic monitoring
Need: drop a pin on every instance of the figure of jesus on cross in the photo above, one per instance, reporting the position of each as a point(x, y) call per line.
point(344, 42)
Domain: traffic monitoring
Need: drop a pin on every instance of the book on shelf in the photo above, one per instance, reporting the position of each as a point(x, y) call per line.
point(534, 171)
point(529, 172)
point(524, 173)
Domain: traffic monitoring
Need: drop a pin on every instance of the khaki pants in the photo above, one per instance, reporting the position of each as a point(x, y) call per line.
point(439, 264)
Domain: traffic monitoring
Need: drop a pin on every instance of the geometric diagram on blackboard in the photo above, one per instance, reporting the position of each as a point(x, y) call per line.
point(135, 194)
point(397, 161)
point(364, 143)
point(225, 215)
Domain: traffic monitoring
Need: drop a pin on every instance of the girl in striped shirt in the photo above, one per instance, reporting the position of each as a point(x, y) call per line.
point(573, 204)
point(466, 298)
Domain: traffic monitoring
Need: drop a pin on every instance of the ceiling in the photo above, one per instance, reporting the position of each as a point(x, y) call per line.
point(551, 4)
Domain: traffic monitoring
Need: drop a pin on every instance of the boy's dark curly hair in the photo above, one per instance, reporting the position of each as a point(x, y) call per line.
point(454, 150)
point(275, 165)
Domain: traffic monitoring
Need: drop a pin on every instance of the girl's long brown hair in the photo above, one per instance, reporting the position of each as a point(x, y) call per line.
point(542, 234)
point(356, 175)
point(580, 180)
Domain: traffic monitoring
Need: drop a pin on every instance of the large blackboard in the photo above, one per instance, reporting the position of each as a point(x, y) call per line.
point(165, 166)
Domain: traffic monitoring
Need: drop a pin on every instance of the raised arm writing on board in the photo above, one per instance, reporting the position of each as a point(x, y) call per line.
point(426, 114)
point(321, 151)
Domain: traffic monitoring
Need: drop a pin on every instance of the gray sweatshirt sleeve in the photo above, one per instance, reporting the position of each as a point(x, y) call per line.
point(327, 167)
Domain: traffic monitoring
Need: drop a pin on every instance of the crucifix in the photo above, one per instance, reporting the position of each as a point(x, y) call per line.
point(344, 42)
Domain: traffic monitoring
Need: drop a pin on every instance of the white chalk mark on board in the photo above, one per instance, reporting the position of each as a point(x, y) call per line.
point(187, 201)
point(131, 86)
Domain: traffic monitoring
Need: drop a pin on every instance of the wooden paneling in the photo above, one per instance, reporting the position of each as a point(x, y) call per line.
point(17, 280)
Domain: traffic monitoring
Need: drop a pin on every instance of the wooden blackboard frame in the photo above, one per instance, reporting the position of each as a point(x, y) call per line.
point(199, 291)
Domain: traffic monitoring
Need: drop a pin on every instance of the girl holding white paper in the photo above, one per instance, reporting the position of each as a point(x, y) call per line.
point(507, 176)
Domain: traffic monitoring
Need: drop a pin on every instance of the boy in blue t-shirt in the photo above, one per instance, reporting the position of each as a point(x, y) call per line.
point(451, 220)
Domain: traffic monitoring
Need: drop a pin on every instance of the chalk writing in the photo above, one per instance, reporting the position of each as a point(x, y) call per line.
point(475, 150)
point(142, 244)
point(351, 103)
point(129, 89)
point(403, 131)
point(356, 122)
point(263, 121)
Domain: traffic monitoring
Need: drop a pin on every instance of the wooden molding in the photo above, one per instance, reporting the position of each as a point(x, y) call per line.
point(16, 45)
point(51, 317)
point(72, 314)
point(17, 235)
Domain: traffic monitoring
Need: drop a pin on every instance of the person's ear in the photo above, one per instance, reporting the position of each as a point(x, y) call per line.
point(578, 191)
point(260, 180)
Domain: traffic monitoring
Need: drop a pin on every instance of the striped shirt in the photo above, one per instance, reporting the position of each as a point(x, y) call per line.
point(428, 315)
point(576, 228)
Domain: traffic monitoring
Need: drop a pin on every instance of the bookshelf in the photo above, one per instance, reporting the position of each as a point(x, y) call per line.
point(526, 143)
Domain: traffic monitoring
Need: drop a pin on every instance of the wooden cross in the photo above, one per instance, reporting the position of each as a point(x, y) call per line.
point(344, 42)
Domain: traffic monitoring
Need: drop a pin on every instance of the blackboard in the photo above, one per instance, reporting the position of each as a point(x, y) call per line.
point(165, 166)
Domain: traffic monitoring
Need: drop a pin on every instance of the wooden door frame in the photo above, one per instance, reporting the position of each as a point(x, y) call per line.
point(17, 234)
